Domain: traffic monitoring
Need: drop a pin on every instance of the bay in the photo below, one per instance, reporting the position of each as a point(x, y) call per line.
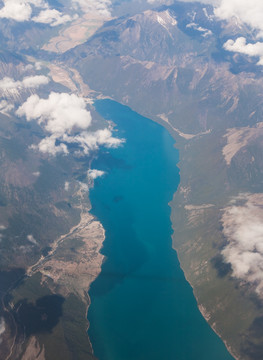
point(142, 307)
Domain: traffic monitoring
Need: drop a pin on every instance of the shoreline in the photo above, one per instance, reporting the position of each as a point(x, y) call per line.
point(185, 137)
point(175, 136)
point(66, 278)
point(205, 314)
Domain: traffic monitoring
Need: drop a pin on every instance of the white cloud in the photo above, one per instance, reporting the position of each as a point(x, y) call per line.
point(52, 17)
point(9, 84)
point(247, 12)
point(2, 227)
point(241, 46)
point(2, 328)
point(66, 119)
point(99, 7)
point(38, 65)
point(35, 81)
point(31, 239)
point(90, 141)
point(66, 186)
point(87, 142)
point(196, 27)
point(21, 10)
point(48, 145)
point(94, 173)
point(5, 107)
point(16, 10)
point(208, 2)
point(243, 228)
point(28, 67)
point(60, 113)
point(160, 2)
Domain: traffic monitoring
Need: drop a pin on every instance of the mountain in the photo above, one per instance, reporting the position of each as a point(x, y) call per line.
point(169, 64)
point(49, 242)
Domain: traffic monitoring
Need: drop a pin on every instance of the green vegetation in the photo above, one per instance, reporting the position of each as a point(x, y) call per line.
point(70, 333)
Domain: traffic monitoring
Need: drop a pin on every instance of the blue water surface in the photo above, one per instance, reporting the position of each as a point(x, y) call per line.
point(142, 308)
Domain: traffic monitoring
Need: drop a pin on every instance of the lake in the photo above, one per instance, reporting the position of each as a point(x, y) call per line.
point(142, 307)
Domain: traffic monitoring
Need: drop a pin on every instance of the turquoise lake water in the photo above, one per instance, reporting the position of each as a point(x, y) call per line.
point(142, 308)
